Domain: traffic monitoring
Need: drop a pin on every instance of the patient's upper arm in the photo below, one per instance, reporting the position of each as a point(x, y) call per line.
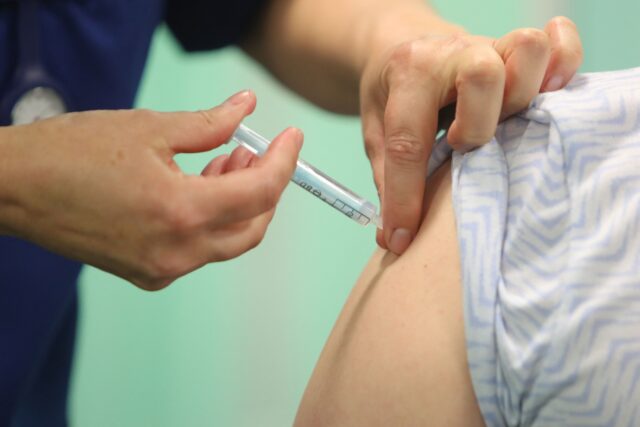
point(396, 355)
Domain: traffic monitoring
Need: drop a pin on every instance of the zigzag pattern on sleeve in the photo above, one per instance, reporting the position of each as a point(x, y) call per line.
point(548, 221)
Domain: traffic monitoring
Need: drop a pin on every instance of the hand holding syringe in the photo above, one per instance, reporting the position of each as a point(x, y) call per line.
point(316, 182)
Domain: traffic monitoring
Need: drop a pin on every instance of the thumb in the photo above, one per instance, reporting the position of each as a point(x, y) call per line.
point(204, 130)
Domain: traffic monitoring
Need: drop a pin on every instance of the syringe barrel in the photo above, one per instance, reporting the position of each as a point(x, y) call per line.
point(333, 193)
point(316, 182)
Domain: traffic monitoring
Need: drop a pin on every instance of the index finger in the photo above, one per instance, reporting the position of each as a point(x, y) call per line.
point(249, 192)
point(566, 53)
point(410, 122)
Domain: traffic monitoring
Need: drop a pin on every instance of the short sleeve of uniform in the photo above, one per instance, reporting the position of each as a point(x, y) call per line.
point(211, 24)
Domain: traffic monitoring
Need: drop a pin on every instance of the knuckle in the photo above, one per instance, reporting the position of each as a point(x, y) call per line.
point(206, 117)
point(532, 38)
point(483, 69)
point(152, 285)
point(150, 279)
point(411, 57)
point(405, 148)
point(402, 55)
point(162, 267)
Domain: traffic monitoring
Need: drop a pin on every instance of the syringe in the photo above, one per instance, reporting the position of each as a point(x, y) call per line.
point(315, 182)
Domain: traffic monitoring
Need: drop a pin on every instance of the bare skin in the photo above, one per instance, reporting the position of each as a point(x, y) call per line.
point(394, 62)
point(102, 187)
point(397, 64)
point(396, 355)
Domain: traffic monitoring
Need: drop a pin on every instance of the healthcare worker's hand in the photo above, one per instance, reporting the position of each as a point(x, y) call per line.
point(102, 187)
point(404, 85)
point(397, 64)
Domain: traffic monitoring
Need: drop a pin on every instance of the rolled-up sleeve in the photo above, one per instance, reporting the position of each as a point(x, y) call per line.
point(211, 24)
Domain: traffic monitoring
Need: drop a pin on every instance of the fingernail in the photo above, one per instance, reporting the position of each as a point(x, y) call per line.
point(400, 240)
point(297, 135)
point(238, 99)
point(554, 83)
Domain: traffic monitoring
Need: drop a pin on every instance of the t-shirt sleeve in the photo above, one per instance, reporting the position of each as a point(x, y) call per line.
point(210, 24)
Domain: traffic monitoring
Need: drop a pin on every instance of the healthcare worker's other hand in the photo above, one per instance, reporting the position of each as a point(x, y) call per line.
point(102, 187)
point(397, 63)
point(405, 84)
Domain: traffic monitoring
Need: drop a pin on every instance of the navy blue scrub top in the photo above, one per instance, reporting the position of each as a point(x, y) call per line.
point(96, 49)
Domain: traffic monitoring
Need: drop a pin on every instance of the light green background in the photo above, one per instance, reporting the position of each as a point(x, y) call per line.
point(233, 344)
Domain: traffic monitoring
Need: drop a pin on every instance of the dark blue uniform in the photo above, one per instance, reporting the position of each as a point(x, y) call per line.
point(96, 50)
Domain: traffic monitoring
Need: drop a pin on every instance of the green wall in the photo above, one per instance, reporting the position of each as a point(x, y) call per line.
point(233, 344)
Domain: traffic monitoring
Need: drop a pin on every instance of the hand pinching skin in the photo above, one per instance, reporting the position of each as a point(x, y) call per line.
point(406, 85)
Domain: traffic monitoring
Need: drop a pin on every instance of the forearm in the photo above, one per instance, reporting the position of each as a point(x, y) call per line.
point(320, 48)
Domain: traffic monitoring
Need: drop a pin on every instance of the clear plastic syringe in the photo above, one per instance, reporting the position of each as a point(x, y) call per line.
point(315, 182)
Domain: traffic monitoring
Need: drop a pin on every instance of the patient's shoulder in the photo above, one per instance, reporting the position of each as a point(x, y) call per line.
point(396, 355)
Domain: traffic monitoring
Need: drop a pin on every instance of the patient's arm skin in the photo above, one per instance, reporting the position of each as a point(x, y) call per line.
point(396, 356)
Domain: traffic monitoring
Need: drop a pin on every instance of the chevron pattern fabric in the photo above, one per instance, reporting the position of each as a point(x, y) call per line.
point(548, 221)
